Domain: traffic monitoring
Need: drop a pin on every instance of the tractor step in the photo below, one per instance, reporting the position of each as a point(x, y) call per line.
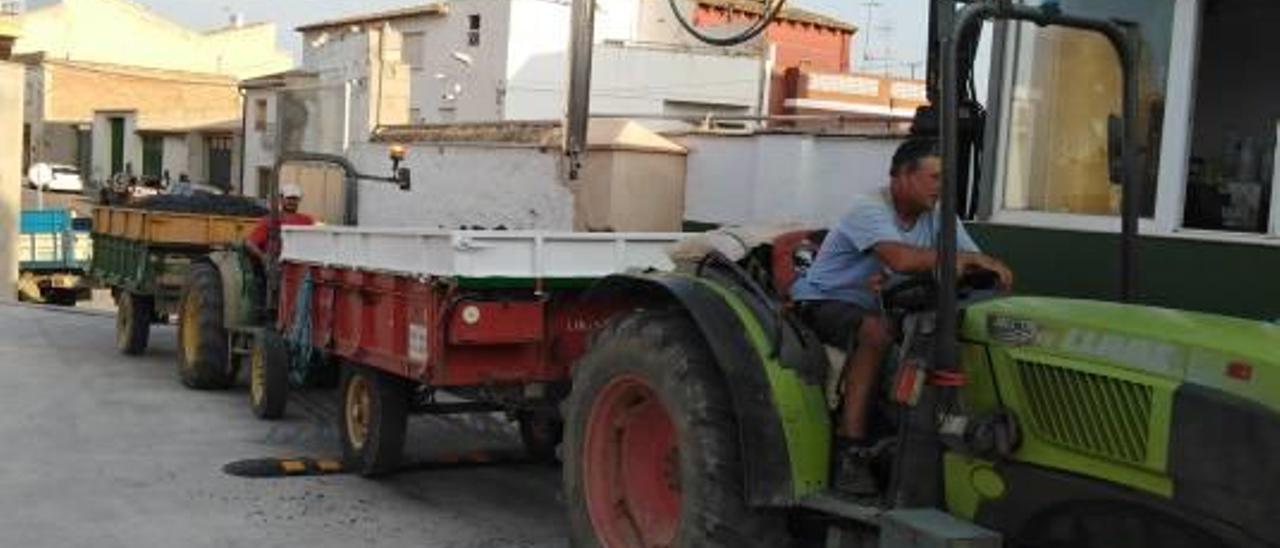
point(909, 528)
point(838, 506)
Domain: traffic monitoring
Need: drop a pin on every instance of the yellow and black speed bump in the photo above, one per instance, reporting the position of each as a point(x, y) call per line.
point(280, 468)
point(276, 468)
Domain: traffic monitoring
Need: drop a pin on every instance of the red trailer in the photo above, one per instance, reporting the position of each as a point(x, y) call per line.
point(493, 318)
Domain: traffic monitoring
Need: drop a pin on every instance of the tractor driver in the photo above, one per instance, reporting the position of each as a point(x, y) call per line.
point(290, 199)
point(889, 232)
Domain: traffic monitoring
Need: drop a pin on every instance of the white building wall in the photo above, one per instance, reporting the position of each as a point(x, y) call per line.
point(482, 83)
point(766, 179)
point(617, 20)
point(455, 186)
point(125, 33)
point(537, 61)
point(176, 159)
point(637, 80)
point(101, 138)
point(259, 145)
point(346, 56)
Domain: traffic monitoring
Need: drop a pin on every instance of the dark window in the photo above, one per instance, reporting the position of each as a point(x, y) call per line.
point(473, 30)
point(260, 115)
point(264, 182)
point(152, 156)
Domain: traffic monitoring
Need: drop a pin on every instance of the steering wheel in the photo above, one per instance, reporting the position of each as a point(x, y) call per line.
point(920, 292)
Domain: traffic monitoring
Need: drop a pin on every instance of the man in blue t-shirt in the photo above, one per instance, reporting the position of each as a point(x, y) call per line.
point(889, 233)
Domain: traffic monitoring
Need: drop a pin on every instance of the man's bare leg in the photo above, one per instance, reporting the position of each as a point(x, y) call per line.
point(853, 472)
point(863, 365)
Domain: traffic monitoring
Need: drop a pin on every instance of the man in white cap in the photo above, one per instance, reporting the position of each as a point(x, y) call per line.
point(290, 199)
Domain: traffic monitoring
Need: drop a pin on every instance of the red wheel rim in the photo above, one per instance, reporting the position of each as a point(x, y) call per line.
point(631, 467)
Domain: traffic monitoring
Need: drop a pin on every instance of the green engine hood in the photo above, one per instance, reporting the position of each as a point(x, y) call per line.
point(1241, 357)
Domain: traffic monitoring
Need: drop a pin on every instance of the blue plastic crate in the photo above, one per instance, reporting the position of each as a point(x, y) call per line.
point(45, 221)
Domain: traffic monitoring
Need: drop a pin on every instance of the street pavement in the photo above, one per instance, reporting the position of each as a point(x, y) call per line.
point(101, 450)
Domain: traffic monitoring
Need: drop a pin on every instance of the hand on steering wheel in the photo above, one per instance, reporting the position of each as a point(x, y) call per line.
point(980, 265)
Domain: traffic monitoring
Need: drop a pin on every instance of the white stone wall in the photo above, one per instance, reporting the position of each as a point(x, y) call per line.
point(766, 179)
point(453, 186)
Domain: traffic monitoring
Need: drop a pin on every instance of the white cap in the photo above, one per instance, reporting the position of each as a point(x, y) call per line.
point(290, 190)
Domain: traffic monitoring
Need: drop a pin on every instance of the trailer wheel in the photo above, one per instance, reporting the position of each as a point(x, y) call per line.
point(541, 432)
point(268, 375)
point(651, 452)
point(203, 356)
point(375, 413)
point(133, 322)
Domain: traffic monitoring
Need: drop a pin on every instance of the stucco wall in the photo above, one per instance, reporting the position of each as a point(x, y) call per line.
point(12, 85)
point(79, 30)
point(766, 179)
point(518, 188)
point(74, 91)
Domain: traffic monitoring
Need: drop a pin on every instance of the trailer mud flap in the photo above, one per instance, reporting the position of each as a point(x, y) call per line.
point(783, 422)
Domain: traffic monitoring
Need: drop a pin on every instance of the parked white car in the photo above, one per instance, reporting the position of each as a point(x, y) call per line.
point(54, 177)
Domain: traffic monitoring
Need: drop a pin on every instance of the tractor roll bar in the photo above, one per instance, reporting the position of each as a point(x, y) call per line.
point(920, 443)
point(351, 196)
point(1124, 40)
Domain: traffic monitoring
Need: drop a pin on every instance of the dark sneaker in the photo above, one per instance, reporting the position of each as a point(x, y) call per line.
point(853, 475)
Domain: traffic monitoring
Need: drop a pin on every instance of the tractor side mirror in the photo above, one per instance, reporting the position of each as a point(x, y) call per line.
point(403, 178)
point(1115, 149)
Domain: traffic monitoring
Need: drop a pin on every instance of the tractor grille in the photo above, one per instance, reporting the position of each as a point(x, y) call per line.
point(1101, 415)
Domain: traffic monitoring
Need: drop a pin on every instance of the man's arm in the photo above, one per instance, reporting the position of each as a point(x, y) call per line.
point(906, 258)
point(256, 240)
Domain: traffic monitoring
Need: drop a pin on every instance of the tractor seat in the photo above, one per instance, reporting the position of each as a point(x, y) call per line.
point(793, 253)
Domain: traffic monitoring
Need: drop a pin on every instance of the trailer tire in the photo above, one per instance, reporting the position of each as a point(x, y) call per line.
point(541, 432)
point(374, 417)
point(269, 375)
point(649, 407)
point(133, 322)
point(204, 361)
point(62, 297)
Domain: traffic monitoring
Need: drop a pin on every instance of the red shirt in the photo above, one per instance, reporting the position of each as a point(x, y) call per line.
point(258, 236)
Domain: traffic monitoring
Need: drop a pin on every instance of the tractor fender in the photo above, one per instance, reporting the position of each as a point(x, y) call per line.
point(238, 279)
point(779, 403)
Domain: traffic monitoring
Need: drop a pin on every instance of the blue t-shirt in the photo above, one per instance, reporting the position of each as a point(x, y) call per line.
point(846, 261)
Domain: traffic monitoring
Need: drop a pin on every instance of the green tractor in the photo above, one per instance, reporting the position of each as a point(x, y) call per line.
point(703, 420)
point(228, 309)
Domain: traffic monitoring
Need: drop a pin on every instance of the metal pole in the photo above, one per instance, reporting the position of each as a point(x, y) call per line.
point(578, 99)
point(1131, 189)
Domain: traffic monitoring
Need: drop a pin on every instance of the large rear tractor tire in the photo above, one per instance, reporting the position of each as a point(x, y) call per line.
point(375, 414)
point(269, 375)
point(133, 322)
point(651, 450)
point(204, 362)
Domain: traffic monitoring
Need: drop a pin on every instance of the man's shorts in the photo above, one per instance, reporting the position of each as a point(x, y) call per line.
point(835, 322)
